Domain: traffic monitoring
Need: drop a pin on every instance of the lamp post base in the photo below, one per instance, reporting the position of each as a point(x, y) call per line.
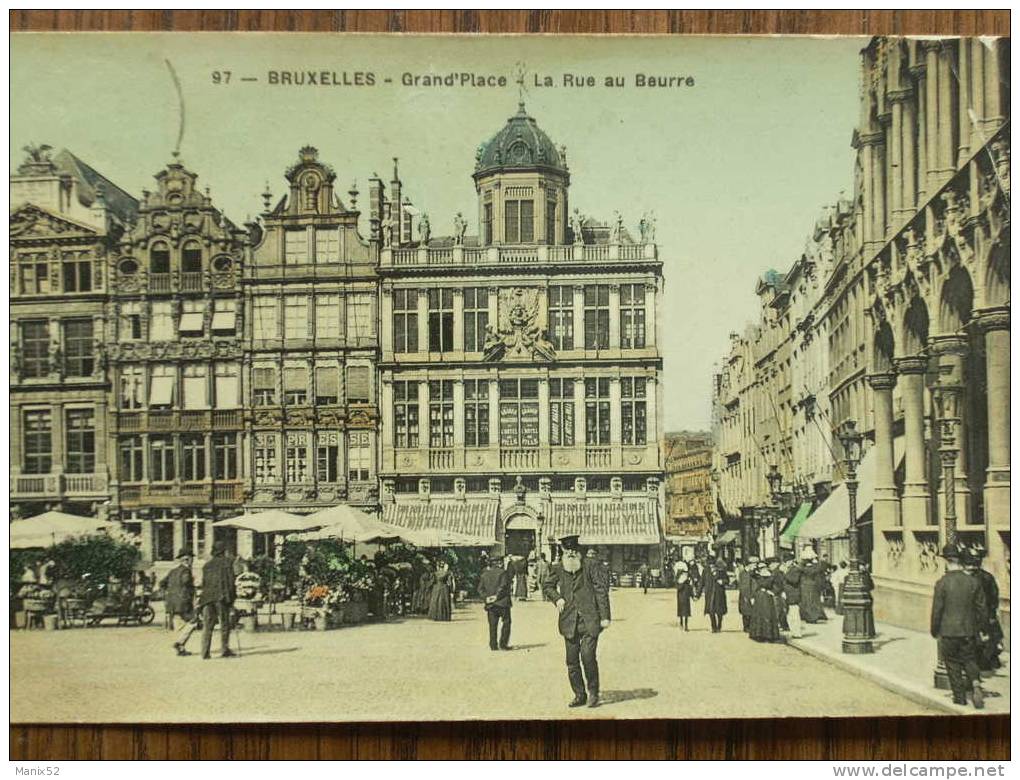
point(858, 617)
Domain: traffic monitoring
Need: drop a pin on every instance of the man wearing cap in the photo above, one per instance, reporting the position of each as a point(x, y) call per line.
point(580, 590)
point(958, 612)
point(990, 635)
point(494, 588)
point(217, 599)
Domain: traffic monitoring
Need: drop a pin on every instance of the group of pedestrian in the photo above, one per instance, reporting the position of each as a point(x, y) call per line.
point(433, 595)
point(697, 579)
point(964, 622)
point(214, 605)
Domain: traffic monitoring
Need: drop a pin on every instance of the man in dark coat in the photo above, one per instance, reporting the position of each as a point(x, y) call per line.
point(217, 599)
point(579, 588)
point(179, 590)
point(716, 579)
point(494, 588)
point(958, 613)
point(791, 585)
point(744, 586)
point(990, 635)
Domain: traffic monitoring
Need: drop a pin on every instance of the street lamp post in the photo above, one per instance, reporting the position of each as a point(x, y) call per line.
point(775, 480)
point(947, 399)
point(858, 617)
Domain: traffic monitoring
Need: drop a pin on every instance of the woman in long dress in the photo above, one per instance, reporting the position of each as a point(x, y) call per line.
point(440, 601)
point(811, 610)
point(423, 593)
point(684, 592)
point(764, 612)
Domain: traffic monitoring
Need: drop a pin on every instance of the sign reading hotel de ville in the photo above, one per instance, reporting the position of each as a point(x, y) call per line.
point(362, 378)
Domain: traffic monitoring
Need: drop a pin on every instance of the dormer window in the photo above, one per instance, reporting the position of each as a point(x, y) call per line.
point(519, 221)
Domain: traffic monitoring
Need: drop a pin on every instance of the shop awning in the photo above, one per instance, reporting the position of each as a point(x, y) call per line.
point(605, 522)
point(790, 532)
point(476, 519)
point(727, 537)
point(832, 518)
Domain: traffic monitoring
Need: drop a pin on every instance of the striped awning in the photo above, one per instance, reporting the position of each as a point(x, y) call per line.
point(605, 522)
point(475, 518)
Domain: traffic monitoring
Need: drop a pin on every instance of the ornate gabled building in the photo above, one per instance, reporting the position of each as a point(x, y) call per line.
point(690, 514)
point(310, 290)
point(65, 222)
point(520, 366)
point(174, 324)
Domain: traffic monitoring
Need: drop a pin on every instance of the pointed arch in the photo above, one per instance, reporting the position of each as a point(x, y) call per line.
point(956, 301)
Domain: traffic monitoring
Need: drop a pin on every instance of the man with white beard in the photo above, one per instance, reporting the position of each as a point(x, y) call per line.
point(580, 590)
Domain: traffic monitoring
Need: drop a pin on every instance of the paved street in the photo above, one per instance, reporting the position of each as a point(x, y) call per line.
point(420, 670)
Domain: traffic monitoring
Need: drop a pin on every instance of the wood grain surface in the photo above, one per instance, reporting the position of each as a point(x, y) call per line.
point(949, 738)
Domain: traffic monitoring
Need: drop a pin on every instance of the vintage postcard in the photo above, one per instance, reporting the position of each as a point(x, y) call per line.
point(403, 378)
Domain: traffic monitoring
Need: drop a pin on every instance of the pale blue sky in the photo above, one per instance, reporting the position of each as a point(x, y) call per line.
point(736, 168)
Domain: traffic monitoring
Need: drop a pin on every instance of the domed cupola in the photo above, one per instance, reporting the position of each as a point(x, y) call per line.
point(522, 180)
point(520, 145)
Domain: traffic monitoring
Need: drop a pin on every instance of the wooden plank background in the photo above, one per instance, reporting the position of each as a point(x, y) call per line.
point(949, 738)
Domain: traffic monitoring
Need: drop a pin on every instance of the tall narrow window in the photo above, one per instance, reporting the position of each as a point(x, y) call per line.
point(519, 221)
point(295, 317)
point(162, 460)
point(35, 278)
point(440, 320)
point(632, 316)
point(360, 322)
point(327, 457)
point(476, 318)
point(295, 246)
point(297, 458)
point(405, 414)
point(327, 385)
point(327, 245)
point(518, 412)
point(191, 258)
point(196, 386)
point(359, 385)
point(265, 319)
point(295, 385)
point(635, 412)
point(193, 457)
point(35, 348)
point(596, 316)
point(132, 459)
point(550, 222)
point(327, 317)
point(441, 413)
point(487, 224)
point(476, 412)
point(405, 321)
point(38, 440)
point(359, 456)
point(159, 258)
point(161, 324)
point(130, 321)
point(78, 274)
point(596, 411)
point(132, 387)
point(225, 456)
point(79, 349)
point(561, 316)
point(163, 387)
point(561, 412)
point(264, 386)
point(227, 386)
point(266, 468)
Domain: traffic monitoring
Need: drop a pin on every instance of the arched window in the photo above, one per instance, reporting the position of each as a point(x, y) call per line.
point(159, 258)
point(191, 258)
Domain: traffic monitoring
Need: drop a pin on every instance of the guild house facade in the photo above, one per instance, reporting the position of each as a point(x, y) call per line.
point(520, 371)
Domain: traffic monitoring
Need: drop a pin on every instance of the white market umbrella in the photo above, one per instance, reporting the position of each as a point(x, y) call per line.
point(271, 521)
point(52, 528)
point(346, 523)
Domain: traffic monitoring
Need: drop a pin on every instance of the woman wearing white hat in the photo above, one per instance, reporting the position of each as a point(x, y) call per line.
point(684, 591)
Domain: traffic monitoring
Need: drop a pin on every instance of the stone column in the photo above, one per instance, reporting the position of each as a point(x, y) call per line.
point(494, 431)
point(543, 416)
point(458, 320)
point(896, 158)
point(385, 323)
point(909, 159)
point(993, 88)
point(868, 186)
point(946, 117)
point(977, 80)
point(886, 502)
point(423, 321)
point(458, 414)
point(964, 101)
point(920, 118)
point(579, 430)
point(423, 416)
point(995, 325)
point(931, 124)
point(651, 315)
point(950, 350)
point(579, 316)
point(879, 173)
point(914, 510)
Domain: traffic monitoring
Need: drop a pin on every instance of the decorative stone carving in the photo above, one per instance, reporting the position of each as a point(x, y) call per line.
point(518, 336)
